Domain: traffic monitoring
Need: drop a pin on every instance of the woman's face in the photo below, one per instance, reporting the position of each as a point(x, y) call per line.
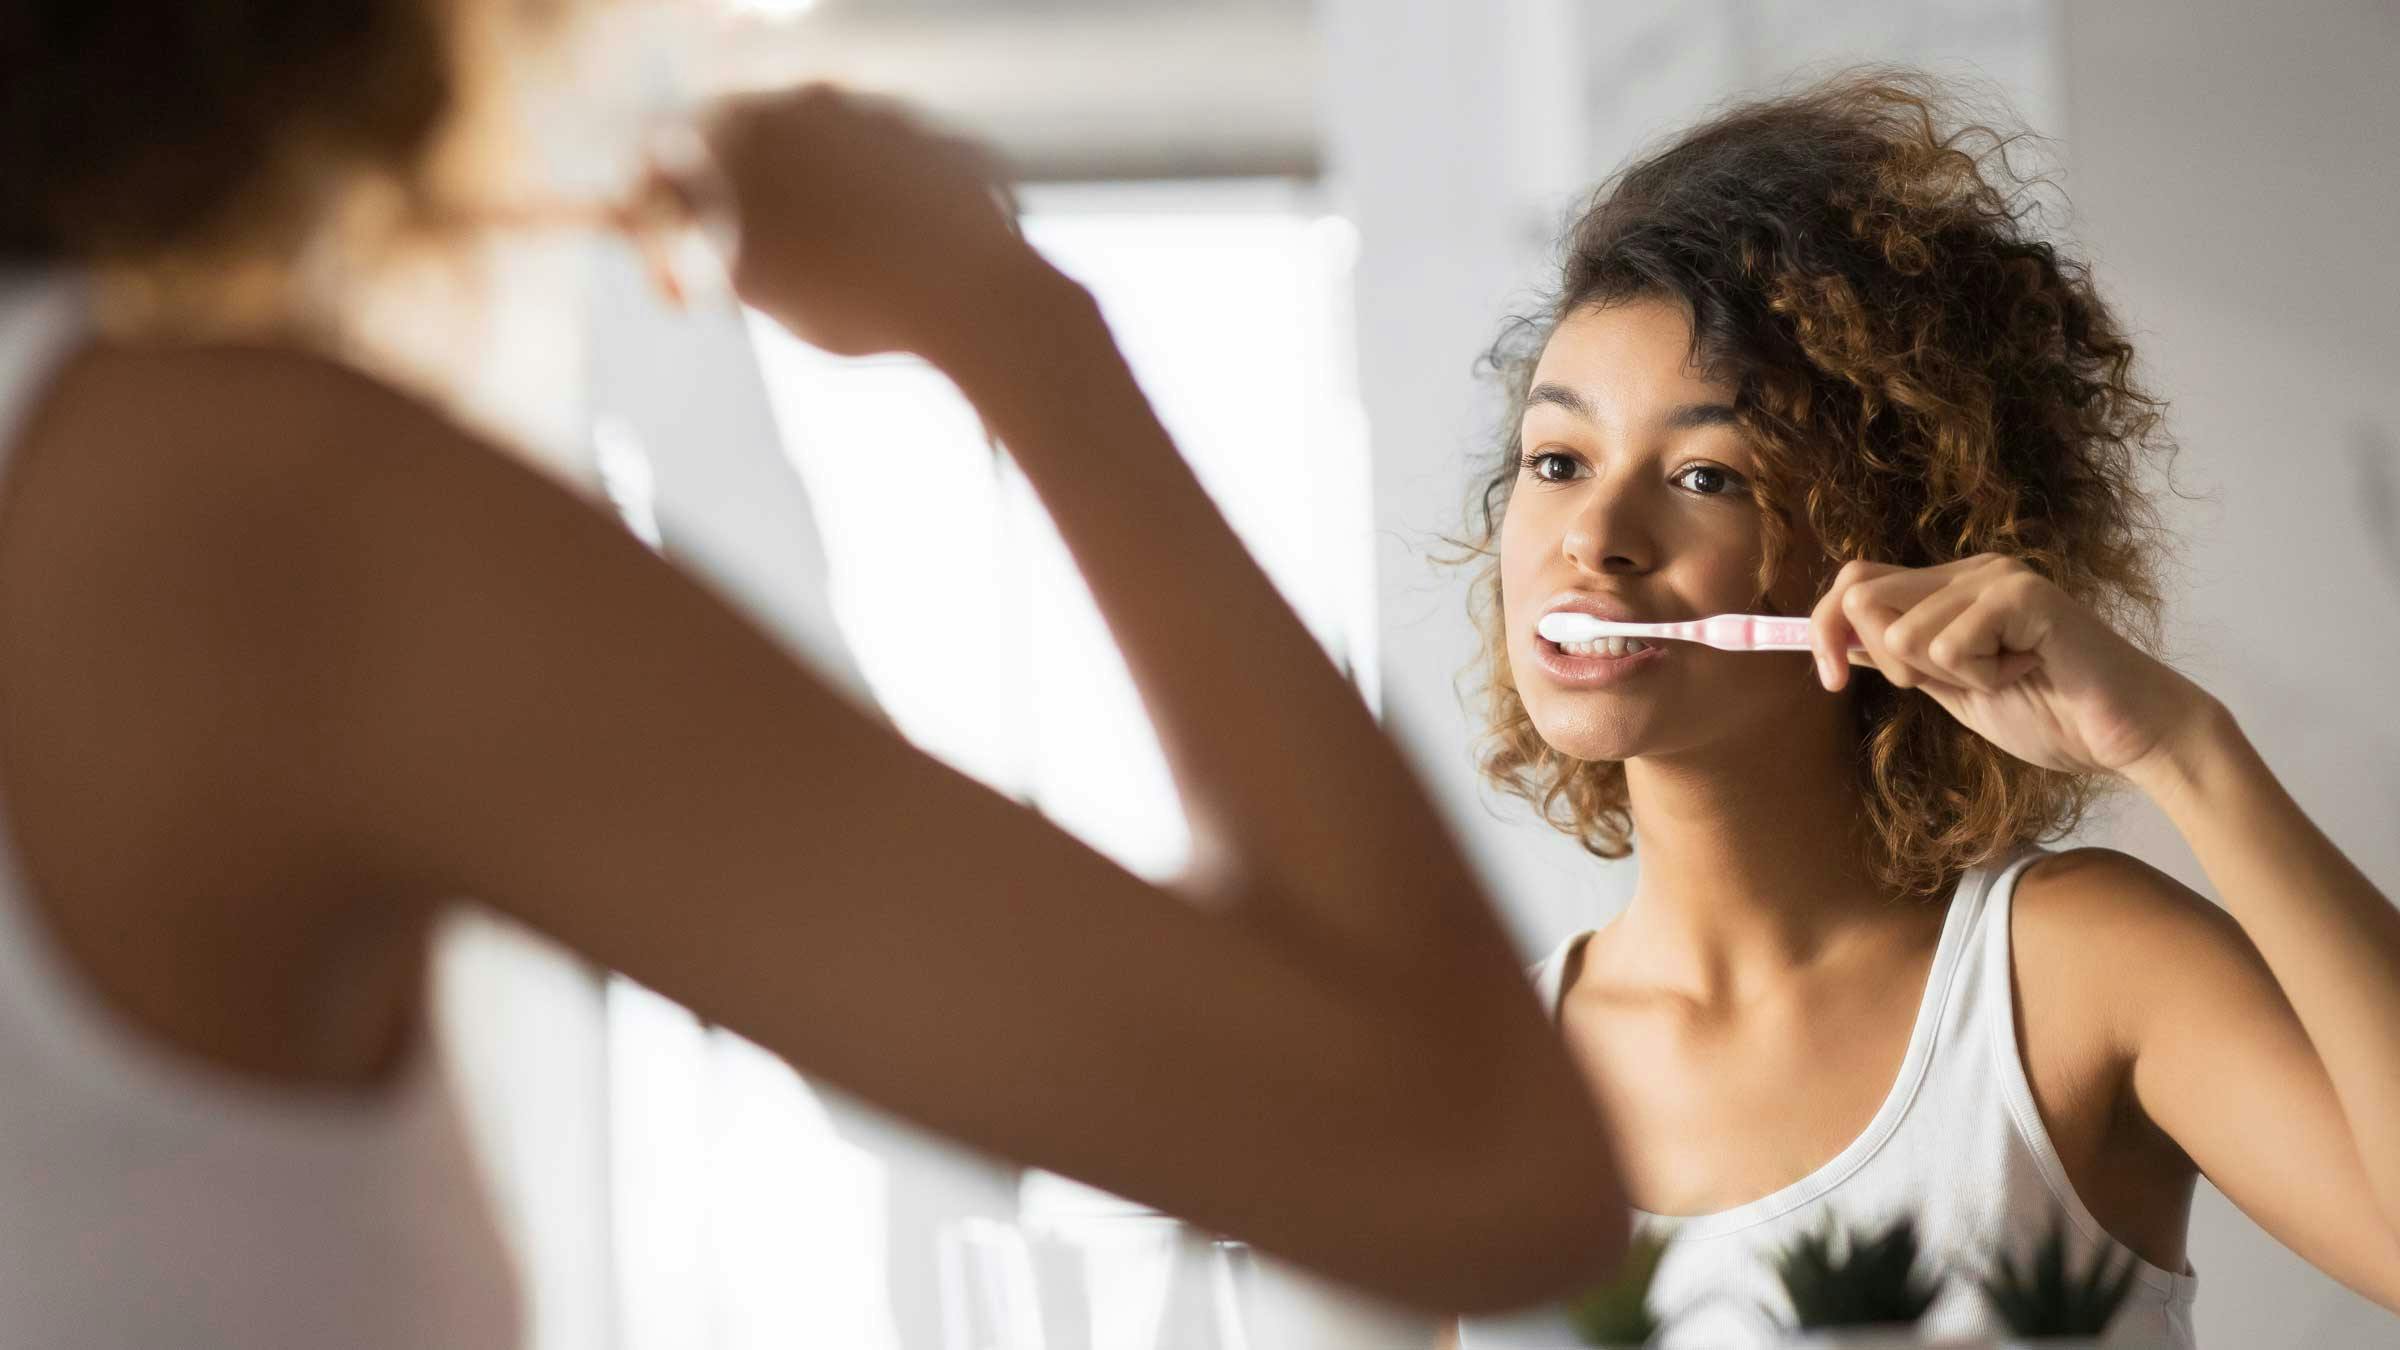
point(1634, 502)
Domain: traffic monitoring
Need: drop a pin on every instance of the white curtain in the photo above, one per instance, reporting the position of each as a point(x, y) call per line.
point(750, 1208)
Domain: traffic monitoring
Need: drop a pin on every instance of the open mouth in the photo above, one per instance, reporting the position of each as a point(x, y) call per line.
point(1607, 646)
point(1601, 661)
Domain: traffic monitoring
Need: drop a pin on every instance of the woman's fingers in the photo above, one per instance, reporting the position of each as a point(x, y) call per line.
point(1990, 644)
point(1869, 619)
point(985, 164)
point(1977, 623)
point(1829, 633)
point(862, 226)
point(1919, 628)
point(1832, 626)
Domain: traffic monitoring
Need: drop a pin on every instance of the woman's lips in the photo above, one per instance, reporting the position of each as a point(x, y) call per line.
point(1593, 672)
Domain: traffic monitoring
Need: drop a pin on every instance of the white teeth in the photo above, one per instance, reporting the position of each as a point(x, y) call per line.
point(1607, 646)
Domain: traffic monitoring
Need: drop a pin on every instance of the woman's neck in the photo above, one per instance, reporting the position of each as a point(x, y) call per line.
point(1752, 868)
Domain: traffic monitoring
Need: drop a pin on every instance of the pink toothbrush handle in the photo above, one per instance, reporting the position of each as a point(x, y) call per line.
point(1771, 633)
point(1763, 633)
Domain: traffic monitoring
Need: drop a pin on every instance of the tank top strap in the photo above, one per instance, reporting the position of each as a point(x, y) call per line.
point(1980, 990)
point(41, 322)
point(44, 317)
point(1548, 975)
point(1999, 892)
point(2002, 1058)
point(153, 1196)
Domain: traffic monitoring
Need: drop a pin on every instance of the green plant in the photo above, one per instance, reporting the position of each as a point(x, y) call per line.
point(2046, 1297)
point(1618, 1311)
point(1858, 1278)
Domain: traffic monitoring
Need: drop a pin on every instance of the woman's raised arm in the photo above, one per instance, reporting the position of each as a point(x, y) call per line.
point(1324, 1047)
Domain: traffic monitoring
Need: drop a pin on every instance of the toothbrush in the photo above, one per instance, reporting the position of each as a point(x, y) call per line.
point(1725, 632)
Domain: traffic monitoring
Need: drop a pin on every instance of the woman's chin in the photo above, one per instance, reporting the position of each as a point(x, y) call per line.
point(1592, 743)
point(1597, 754)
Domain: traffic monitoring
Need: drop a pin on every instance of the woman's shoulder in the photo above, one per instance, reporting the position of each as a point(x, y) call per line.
point(174, 613)
point(214, 408)
point(227, 461)
point(192, 462)
point(233, 536)
point(2108, 902)
point(2106, 934)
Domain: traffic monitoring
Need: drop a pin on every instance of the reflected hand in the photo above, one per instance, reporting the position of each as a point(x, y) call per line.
point(2011, 655)
point(861, 230)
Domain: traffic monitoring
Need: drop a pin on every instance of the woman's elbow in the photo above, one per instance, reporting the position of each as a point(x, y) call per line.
point(1540, 1227)
point(1526, 1206)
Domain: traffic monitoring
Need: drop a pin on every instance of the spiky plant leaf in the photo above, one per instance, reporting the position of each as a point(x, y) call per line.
point(1859, 1278)
point(1618, 1311)
point(2045, 1297)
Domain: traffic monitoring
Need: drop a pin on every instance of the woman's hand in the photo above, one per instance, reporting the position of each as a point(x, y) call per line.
point(2019, 661)
point(861, 230)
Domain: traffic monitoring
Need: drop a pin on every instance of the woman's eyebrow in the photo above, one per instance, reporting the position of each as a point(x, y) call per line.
point(1558, 396)
point(1692, 415)
point(1684, 417)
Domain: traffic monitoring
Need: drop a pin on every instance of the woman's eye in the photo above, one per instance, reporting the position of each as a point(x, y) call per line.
point(1707, 479)
point(1533, 464)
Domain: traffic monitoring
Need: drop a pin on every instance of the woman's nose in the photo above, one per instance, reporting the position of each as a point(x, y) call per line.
point(1608, 534)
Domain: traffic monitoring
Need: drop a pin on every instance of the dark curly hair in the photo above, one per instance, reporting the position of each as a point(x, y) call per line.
point(136, 128)
point(1923, 379)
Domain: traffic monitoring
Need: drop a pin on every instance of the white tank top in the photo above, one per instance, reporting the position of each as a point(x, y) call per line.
point(1958, 1142)
point(148, 1199)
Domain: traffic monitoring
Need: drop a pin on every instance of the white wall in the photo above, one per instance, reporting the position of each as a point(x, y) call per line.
point(1423, 113)
point(1073, 89)
point(2232, 168)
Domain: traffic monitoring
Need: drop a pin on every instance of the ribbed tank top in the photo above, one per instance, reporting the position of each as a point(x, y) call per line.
point(1958, 1142)
point(149, 1199)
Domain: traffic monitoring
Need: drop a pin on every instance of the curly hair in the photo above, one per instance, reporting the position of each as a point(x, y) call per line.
point(1922, 378)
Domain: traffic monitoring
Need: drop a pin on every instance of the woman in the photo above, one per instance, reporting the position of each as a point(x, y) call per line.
point(1808, 359)
point(289, 660)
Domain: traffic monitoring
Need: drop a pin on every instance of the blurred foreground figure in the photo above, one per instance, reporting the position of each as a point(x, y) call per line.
point(290, 661)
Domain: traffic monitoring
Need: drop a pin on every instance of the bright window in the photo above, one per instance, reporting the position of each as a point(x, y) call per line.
point(764, 1213)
